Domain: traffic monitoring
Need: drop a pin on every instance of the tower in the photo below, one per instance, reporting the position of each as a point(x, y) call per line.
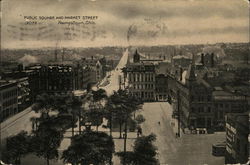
point(136, 57)
point(190, 76)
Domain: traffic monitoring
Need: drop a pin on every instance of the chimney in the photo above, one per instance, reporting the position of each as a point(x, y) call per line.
point(181, 70)
point(56, 55)
point(212, 60)
point(20, 67)
point(202, 58)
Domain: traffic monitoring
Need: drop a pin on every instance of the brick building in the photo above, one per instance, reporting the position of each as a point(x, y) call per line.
point(237, 144)
point(8, 99)
point(141, 80)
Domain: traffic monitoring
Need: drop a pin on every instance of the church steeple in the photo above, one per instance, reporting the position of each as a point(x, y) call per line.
point(190, 76)
point(136, 57)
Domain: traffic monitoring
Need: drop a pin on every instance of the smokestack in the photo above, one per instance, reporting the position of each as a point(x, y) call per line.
point(56, 55)
point(202, 58)
point(212, 60)
point(181, 70)
point(63, 54)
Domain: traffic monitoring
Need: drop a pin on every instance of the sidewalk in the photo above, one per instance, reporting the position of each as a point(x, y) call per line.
point(119, 143)
point(17, 123)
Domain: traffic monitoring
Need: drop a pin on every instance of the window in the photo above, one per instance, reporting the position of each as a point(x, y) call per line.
point(208, 98)
point(193, 110)
point(221, 105)
point(192, 98)
point(208, 109)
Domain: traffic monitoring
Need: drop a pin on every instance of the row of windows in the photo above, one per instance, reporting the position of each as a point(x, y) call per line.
point(8, 94)
point(10, 102)
point(201, 110)
point(141, 77)
point(200, 98)
point(8, 112)
point(143, 86)
point(161, 89)
point(228, 105)
point(144, 94)
point(55, 87)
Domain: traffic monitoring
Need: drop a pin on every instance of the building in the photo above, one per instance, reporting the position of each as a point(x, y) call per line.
point(98, 68)
point(161, 88)
point(58, 78)
point(139, 77)
point(8, 99)
point(194, 99)
point(23, 93)
point(141, 80)
point(23, 86)
point(202, 105)
point(226, 102)
point(237, 144)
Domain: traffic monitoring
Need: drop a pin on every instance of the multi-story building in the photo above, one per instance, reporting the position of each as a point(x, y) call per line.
point(226, 102)
point(58, 78)
point(97, 68)
point(161, 87)
point(141, 80)
point(194, 99)
point(8, 99)
point(23, 92)
point(22, 81)
point(237, 144)
point(202, 105)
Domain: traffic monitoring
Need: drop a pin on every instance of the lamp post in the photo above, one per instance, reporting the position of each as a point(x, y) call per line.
point(125, 139)
point(0, 135)
point(179, 115)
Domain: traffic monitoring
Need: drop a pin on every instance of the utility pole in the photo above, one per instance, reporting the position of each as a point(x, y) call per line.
point(178, 108)
point(0, 136)
point(125, 140)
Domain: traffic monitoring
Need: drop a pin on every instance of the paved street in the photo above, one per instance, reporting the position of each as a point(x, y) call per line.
point(114, 79)
point(17, 123)
point(188, 150)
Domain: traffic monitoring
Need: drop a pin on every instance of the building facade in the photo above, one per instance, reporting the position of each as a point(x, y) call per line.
point(161, 87)
point(237, 144)
point(8, 99)
point(141, 80)
point(200, 104)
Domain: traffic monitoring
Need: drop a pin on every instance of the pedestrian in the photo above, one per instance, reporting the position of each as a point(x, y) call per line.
point(176, 135)
point(139, 131)
point(159, 122)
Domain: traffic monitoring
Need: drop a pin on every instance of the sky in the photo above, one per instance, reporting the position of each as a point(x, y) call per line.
point(124, 23)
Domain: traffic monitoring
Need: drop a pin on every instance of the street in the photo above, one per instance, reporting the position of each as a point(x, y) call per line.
point(114, 78)
point(188, 149)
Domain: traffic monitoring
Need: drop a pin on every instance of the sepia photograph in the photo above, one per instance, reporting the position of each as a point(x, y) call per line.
point(124, 82)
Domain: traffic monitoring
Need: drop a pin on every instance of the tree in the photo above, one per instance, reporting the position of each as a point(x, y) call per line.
point(95, 116)
point(46, 140)
point(125, 104)
point(144, 152)
point(73, 106)
point(140, 119)
point(17, 146)
point(99, 95)
point(44, 104)
point(89, 148)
